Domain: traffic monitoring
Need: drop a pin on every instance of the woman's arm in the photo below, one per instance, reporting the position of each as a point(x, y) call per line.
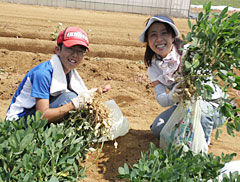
point(163, 98)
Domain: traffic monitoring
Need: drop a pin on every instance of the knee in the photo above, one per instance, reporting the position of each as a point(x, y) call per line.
point(207, 122)
point(155, 132)
point(68, 96)
point(157, 127)
point(62, 99)
point(207, 125)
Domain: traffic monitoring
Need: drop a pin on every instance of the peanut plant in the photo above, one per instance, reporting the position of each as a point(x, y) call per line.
point(31, 150)
point(58, 28)
point(93, 120)
point(213, 55)
point(173, 164)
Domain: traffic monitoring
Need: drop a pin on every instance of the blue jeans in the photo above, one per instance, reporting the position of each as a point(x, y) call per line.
point(55, 102)
point(210, 119)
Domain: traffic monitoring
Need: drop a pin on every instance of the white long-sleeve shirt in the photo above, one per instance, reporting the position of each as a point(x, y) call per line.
point(156, 72)
point(163, 98)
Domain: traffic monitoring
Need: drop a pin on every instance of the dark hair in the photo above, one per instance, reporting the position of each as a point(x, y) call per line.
point(149, 52)
point(60, 45)
point(82, 47)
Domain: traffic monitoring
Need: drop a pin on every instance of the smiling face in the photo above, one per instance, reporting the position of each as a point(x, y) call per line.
point(70, 57)
point(160, 39)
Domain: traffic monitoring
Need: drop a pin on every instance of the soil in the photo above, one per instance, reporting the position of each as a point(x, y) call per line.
point(116, 58)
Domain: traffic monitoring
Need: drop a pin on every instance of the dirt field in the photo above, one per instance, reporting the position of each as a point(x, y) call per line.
point(116, 58)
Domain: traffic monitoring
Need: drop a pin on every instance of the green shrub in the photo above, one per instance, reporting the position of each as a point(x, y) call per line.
point(213, 55)
point(175, 164)
point(33, 151)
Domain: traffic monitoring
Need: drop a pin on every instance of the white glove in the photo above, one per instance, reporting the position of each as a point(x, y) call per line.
point(178, 77)
point(83, 97)
point(177, 92)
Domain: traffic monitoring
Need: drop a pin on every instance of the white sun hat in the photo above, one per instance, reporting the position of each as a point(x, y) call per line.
point(159, 18)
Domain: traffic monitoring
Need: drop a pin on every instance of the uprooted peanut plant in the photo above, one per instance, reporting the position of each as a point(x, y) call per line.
point(213, 55)
point(93, 121)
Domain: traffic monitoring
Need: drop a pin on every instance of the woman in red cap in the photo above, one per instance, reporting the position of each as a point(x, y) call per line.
point(54, 87)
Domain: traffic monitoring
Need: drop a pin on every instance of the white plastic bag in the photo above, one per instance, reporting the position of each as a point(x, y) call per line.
point(230, 167)
point(184, 127)
point(120, 124)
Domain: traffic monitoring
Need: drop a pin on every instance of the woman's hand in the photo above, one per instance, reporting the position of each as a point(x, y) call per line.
point(177, 92)
point(104, 89)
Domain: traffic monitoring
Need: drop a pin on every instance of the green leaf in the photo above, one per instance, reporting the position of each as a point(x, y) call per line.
point(26, 161)
point(53, 179)
point(214, 30)
point(230, 128)
point(26, 141)
point(223, 12)
point(189, 24)
point(126, 169)
point(222, 74)
point(208, 90)
point(28, 177)
point(207, 6)
point(189, 37)
point(156, 154)
point(218, 132)
point(196, 63)
point(187, 65)
point(237, 123)
point(13, 141)
point(121, 170)
point(38, 115)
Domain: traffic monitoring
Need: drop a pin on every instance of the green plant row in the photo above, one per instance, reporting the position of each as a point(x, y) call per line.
point(177, 165)
point(34, 151)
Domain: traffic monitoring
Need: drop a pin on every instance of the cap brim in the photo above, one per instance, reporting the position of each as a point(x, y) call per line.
point(154, 19)
point(70, 43)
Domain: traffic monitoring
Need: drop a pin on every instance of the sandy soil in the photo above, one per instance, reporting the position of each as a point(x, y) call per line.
point(115, 58)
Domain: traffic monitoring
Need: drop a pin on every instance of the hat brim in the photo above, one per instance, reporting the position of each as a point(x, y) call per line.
point(154, 19)
point(70, 43)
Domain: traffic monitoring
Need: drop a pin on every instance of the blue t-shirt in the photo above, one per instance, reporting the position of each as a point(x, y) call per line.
point(36, 84)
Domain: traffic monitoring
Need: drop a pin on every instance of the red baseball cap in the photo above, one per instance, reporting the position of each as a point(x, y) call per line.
point(73, 36)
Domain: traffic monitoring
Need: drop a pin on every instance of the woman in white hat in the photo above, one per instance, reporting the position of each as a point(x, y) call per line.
point(162, 57)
